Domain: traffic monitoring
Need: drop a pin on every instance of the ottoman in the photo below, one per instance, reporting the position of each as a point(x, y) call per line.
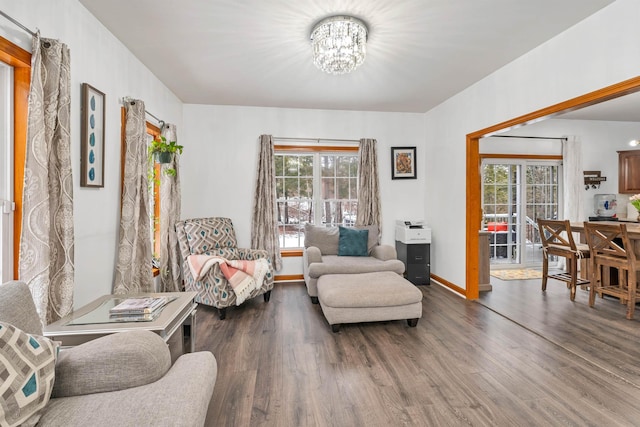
point(368, 297)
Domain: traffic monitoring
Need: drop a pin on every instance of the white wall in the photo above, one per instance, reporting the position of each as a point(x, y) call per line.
point(218, 177)
point(97, 58)
point(601, 50)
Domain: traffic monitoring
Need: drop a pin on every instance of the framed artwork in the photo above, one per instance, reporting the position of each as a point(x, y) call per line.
point(92, 149)
point(403, 162)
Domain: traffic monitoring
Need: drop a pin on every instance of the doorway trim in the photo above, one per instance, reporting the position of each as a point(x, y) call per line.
point(474, 206)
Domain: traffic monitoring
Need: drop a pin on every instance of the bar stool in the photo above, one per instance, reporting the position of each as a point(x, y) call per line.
point(605, 252)
point(557, 240)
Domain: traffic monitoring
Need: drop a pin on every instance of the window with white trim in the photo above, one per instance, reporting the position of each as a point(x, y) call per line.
point(316, 187)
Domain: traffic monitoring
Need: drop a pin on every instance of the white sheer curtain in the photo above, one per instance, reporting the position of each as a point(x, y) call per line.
point(133, 265)
point(264, 224)
point(369, 211)
point(170, 199)
point(573, 179)
point(573, 185)
point(46, 241)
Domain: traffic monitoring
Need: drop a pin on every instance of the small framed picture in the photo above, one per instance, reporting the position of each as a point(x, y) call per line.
point(403, 162)
point(92, 148)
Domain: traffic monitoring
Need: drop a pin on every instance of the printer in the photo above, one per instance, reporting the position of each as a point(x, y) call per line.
point(412, 232)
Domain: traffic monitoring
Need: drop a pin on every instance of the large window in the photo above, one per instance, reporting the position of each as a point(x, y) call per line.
point(317, 188)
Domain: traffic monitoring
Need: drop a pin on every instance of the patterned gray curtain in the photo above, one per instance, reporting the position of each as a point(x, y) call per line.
point(133, 266)
point(170, 199)
point(369, 211)
point(46, 240)
point(264, 224)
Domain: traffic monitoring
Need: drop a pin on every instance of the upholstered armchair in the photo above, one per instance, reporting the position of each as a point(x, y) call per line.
point(215, 236)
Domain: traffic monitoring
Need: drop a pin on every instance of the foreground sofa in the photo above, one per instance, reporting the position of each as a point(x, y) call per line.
point(124, 379)
point(321, 256)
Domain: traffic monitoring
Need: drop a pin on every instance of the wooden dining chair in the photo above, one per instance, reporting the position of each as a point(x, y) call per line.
point(557, 240)
point(610, 246)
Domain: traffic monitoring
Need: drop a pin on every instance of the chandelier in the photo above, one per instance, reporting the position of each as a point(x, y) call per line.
point(339, 44)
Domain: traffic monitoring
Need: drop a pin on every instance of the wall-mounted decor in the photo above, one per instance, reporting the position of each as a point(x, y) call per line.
point(92, 149)
point(592, 179)
point(403, 162)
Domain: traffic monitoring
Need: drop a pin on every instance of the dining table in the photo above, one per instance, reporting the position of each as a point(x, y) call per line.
point(633, 231)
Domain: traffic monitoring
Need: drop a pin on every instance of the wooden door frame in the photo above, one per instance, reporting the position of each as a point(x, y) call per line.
point(20, 60)
point(474, 204)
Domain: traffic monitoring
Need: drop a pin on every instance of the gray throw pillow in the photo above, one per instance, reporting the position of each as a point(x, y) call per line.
point(324, 238)
point(373, 235)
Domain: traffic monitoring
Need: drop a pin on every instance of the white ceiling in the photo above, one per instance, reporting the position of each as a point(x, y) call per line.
point(257, 52)
point(623, 109)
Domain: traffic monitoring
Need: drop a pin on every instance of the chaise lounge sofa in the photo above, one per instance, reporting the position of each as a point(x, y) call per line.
point(321, 256)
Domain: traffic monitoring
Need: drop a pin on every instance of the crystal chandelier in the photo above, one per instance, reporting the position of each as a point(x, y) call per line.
point(339, 44)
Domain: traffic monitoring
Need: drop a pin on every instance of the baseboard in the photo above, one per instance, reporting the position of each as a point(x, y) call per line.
point(447, 284)
point(288, 278)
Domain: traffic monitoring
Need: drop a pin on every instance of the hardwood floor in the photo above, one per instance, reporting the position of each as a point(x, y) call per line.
point(601, 335)
point(279, 364)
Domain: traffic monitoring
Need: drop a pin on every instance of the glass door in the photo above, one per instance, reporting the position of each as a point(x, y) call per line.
point(542, 188)
point(514, 194)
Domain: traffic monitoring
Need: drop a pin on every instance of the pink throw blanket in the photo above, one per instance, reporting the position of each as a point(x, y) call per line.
point(243, 276)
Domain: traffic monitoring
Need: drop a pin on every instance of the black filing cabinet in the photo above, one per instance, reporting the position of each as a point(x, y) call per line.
point(417, 261)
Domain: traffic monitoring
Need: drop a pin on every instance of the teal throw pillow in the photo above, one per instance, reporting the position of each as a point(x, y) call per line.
point(27, 370)
point(353, 242)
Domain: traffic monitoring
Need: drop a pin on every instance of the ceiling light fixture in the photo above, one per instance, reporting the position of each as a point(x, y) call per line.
point(339, 44)
point(634, 142)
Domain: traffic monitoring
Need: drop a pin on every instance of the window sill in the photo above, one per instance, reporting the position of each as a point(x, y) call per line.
point(284, 253)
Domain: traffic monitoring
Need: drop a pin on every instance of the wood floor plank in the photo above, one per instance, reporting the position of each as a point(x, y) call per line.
point(464, 364)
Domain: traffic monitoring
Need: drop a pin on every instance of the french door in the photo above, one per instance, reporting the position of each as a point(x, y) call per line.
point(514, 194)
point(6, 172)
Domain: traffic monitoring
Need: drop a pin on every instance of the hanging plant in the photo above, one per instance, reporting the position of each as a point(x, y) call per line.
point(162, 152)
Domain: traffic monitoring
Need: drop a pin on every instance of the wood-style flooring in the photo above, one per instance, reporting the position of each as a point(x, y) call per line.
point(279, 364)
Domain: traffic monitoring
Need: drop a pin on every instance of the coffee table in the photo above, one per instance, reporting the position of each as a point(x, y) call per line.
point(92, 321)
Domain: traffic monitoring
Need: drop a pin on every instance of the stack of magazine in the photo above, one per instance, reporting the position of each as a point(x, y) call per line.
point(143, 309)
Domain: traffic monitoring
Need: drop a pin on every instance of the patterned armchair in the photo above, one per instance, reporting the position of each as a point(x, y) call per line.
point(215, 236)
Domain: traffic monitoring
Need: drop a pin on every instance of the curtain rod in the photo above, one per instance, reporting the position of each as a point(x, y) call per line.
point(284, 138)
point(528, 137)
point(17, 23)
point(132, 101)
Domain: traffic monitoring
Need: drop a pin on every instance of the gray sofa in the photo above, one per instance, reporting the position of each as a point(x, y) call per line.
point(320, 256)
point(124, 379)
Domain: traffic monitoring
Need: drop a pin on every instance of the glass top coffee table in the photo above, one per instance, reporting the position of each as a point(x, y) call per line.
point(92, 321)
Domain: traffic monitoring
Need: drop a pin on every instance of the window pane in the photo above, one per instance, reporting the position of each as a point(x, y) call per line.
point(280, 188)
point(343, 188)
point(306, 187)
point(328, 188)
point(291, 165)
point(291, 189)
point(279, 163)
point(306, 166)
point(353, 188)
point(328, 165)
point(350, 210)
point(343, 164)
